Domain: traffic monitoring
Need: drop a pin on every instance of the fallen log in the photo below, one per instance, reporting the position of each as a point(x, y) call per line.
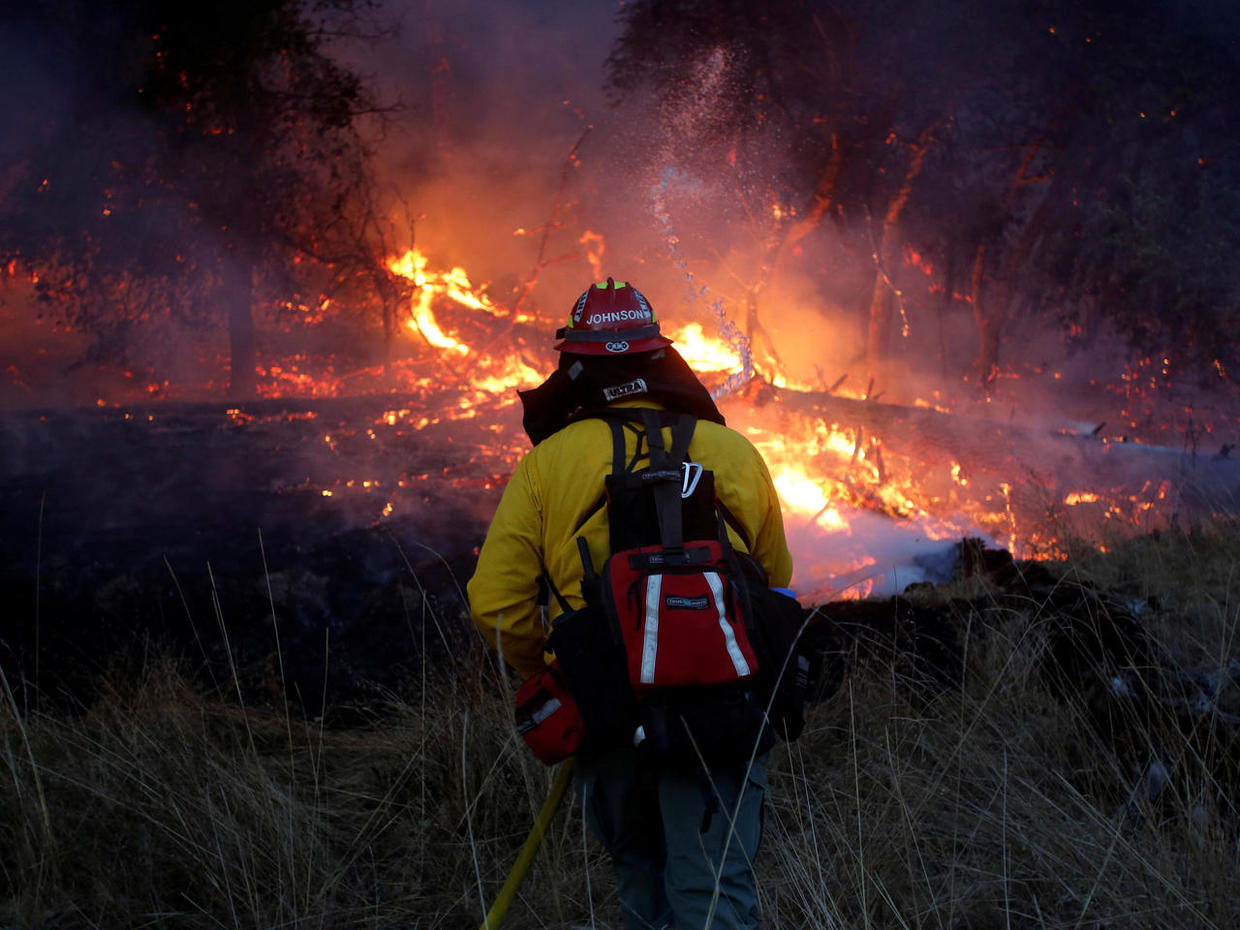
point(1011, 451)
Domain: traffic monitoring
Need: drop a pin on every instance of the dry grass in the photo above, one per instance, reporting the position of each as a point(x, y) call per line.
point(992, 804)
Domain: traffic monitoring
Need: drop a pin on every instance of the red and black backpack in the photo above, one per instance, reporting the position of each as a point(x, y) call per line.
point(681, 648)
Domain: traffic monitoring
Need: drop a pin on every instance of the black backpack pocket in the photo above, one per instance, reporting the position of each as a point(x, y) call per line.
point(786, 664)
point(592, 661)
point(715, 726)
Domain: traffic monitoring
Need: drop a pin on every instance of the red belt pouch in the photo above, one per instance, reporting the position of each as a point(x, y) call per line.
point(548, 718)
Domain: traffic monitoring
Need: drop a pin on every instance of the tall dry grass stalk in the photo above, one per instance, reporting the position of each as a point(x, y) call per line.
point(161, 806)
point(997, 803)
point(993, 803)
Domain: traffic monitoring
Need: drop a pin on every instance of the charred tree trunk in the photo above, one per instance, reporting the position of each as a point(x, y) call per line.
point(766, 358)
point(987, 316)
point(775, 260)
point(821, 202)
point(238, 291)
point(878, 330)
point(944, 308)
point(992, 307)
point(389, 339)
point(389, 301)
point(884, 293)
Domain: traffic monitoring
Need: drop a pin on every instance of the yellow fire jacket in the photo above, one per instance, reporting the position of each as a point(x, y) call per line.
point(545, 507)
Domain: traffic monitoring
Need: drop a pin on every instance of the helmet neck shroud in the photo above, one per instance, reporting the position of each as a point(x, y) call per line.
point(585, 383)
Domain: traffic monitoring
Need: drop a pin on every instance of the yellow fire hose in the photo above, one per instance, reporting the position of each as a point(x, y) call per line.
point(563, 778)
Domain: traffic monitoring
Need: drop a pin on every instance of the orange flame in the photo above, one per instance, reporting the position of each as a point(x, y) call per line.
point(453, 284)
point(829, 476)
point(704, 353)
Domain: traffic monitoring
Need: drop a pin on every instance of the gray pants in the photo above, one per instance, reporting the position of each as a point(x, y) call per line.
point(672, 839)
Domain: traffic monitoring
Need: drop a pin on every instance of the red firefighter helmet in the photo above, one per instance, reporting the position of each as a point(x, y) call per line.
point(611, 318)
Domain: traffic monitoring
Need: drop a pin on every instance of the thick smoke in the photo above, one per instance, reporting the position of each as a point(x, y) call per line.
point(875, 557)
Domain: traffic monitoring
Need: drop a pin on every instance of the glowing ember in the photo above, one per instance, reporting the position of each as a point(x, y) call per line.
point(1081, 497)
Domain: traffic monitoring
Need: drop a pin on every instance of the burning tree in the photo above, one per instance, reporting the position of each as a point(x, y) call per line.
point(192, 162)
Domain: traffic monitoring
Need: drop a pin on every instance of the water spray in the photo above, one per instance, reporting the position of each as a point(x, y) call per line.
point(728, 331)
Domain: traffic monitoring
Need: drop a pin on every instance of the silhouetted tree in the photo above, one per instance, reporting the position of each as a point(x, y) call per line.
point(1071, 160)
point(190, 160)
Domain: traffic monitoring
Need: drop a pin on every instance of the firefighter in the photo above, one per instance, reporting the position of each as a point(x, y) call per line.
point(673, 835)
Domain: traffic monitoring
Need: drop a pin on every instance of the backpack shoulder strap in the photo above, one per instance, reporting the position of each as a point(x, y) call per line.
point(730, 519)
point(665, 473)
point(682, 425)
point(663, 477)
